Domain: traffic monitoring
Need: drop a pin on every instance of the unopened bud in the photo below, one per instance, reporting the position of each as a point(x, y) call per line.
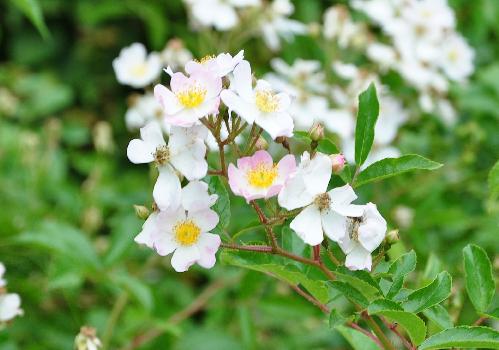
point(141, 211)
point(316, 132)
point(392, 237)
point(87, 339)
point(261, 144)
point(339, 162)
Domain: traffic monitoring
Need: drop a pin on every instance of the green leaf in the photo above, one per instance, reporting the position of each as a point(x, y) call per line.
point(463, 337)
point(389, 167)
point(494, 180)
point(327, 146)
point(140, 291)
point(66, 241)
point(358, 340)
point(302, 136)
point(275, 266)
point(350, 292)
point(413, 325)
point(439, 315)
point(479, 278)
point(361, 280)
point(32, 10)
point(366, 121)
point(337, 319)
point(222, 206)
point(399, 269)
point(433, 294)
point(383, 304)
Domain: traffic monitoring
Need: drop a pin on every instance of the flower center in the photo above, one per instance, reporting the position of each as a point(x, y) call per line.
point(139, 70)
point(206, 59)
point(353, 228)
point(266, 101)
point(192, 96)
point(322, 201)
point(262, 176)
point(186, 232)
point(453, 55)
point(162, 155)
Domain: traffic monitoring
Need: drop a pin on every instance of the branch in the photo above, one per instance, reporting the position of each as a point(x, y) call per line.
point(197, 304)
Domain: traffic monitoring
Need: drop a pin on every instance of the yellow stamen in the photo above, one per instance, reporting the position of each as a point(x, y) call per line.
point(266, 101)
point(206, 58)
point(186, 232)
point(162, 155)
point(262, 176)
point(192, 96)
point(139, 70)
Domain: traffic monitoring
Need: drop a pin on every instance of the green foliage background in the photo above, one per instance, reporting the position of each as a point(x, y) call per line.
point(67, 222)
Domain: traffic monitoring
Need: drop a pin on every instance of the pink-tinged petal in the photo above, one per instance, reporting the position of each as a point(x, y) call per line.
point(243, 81)
point(276, 124)
point(167, 99)
point(210, 81)
point(273, 191)
point(237, 179)
point(307, 225)
point(179, 82)
point(192, 67)
point(242, 107)
point(286, 167)
point(206, 219)
point(334, 225)
point(152, 135)
point(139, 152)
point(261, 157)
point(165, 244)
point(184, 257)
point(167, 219)
point(208, 245)
point(245, 163)
point(166, 192)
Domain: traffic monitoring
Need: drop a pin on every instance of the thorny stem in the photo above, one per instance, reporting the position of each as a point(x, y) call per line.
point(310, 298)
point(393, 328)
point(387, 344)
point(480, 321)
point(380, 337)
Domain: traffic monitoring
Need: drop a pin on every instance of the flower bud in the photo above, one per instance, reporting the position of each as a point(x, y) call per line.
point(338, 162)
point(141, 211)
point(316, 132)
point(392, 237)
point(87, 339)
point(261, 144)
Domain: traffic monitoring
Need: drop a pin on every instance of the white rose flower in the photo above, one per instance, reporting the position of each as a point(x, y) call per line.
point(365, 234)
point(219, 66)
point(258, 105)
point(10, 306)
point(324, 212)
point(185, 152)
point(185, 230)
point(220, 14)
point(135, 68)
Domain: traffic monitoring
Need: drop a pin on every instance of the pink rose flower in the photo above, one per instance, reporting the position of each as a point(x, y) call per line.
point(258, 177)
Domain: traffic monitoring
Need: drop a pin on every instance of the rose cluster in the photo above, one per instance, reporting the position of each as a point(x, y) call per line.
point(220, 90)
point(10, 303)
